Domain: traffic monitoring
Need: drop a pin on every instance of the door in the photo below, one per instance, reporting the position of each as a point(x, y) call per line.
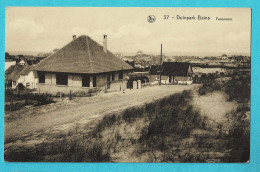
point(108, 81)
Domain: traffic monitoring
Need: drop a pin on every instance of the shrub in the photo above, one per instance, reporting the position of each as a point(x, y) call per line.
point(81, 94)
point(20, 87)
point(239, 142)
point(107, 121)
point(68, 150)
point(243, 108)
point(174, 117)
point(208, 87)
point(130, 114)
point(78, 151)
point(14, 101)
point(238, 88)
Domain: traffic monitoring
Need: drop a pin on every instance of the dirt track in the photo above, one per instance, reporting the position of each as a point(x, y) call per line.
point(67, 113)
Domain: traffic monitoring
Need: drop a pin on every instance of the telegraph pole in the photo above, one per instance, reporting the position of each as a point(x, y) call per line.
point(161, 67)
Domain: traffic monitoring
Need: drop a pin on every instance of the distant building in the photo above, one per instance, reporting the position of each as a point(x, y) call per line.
point(222, 57)
point(171, 73)
point(139, 52)
point(20, 74)
point(22, 62)
point(81, 65)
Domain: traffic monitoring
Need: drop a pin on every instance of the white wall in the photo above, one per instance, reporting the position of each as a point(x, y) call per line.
point(31, 79)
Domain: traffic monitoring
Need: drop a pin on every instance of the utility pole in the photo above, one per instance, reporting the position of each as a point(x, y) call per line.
point(161, 67)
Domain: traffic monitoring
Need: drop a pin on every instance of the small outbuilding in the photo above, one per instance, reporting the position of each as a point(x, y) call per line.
point(171, 73)
point(20, 74)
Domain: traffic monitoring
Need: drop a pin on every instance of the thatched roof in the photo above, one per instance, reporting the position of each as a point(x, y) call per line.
point(13, 73)
point(82, 55)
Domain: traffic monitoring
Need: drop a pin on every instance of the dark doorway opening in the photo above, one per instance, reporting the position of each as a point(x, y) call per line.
point(85, 80)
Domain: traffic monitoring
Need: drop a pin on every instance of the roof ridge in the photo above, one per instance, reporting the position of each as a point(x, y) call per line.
point(90, 59)
point(73, 58)
point(55, 52)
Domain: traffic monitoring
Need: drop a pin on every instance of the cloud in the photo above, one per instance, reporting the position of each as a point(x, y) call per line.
point(130, 35)
point(24, 26)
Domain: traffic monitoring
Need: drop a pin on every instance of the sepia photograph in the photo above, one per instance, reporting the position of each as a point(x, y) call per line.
point(127, 84)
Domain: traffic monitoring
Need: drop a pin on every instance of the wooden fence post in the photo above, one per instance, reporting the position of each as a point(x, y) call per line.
point(70, 95)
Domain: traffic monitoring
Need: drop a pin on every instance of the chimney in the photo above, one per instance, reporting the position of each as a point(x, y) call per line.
point(105, 43)
point(74, 37)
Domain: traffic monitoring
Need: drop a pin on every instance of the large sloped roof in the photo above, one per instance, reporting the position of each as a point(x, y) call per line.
point(177, 68)
point(9, 70)
point(82, 55)
point(155, 69)
point(167, 68)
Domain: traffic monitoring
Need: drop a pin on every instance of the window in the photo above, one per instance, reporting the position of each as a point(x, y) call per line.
point(94, 81)
point(41, 77)
point(9, 83)
point(113, 76)
point(27, 85)
point(121, 75)
point(61, 79)
point(85, 81)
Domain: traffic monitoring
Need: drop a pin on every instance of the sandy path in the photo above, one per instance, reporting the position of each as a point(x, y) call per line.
point(78, 110)
point(214, 105)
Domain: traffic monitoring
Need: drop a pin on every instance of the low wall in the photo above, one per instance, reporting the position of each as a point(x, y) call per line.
point(120, 85)
point(54, 89)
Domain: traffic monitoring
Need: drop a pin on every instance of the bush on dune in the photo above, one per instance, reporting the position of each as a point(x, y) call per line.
point(238, 88)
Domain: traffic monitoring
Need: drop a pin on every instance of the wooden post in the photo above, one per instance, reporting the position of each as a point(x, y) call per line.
point(70, 95)
point(60, 96)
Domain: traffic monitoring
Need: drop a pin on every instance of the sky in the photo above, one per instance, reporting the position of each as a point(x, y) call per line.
point(43, 29)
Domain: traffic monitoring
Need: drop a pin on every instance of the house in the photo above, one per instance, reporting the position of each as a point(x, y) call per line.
point(139, 53)
point(20, 74)
point(22, 62)
point(171, 73)
point(82, 65)
point(27, 77)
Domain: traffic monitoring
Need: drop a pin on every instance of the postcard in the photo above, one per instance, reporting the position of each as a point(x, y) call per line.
point(127, 84)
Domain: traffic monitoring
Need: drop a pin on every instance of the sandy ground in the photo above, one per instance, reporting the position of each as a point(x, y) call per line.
point(214, 105)
point(63, 115)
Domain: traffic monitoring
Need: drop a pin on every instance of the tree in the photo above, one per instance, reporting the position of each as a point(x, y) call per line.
point(203, 78)
point(196, 79)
